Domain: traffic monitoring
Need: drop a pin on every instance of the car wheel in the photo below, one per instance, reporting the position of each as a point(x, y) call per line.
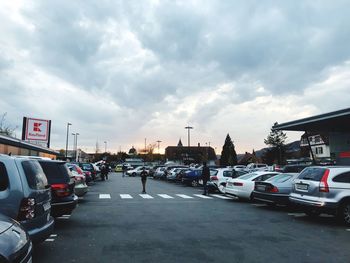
point(222, 189)
point(312, 213)
point(133, 174)
point(344, 214)
point(194, 183)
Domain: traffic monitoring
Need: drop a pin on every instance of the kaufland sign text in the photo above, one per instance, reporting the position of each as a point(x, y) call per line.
point(36, 131)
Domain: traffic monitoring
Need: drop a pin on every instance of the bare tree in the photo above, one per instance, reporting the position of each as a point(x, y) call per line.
point(4, 127)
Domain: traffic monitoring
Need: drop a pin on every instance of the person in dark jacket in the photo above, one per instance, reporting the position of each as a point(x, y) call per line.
point(124, 170)
point(205, 178)
point(144, 179)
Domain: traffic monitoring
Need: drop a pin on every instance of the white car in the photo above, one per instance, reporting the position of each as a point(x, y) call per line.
point(219, 177)
point(252, 167)
point(243, 186)
point(239, 167)
point(137, 171)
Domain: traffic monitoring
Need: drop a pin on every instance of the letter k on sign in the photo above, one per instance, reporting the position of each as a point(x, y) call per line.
point(37, 126)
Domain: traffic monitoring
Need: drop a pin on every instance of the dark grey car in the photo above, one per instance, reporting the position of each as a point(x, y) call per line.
point(275, 190)
point(15, 244)
point(25, 196)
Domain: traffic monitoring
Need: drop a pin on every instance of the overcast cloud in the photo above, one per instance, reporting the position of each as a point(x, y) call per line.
point(122, 71)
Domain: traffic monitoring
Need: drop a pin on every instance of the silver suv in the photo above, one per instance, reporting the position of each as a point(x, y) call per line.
point(323, 189)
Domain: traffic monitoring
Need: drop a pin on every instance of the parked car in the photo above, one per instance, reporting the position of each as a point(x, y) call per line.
point(192, 177)
point(15, 244)
point(119, 168)
point(172, 174)
point(239, 167)
point(80, 187)
point(252, 167)
point(219, 177)
point(181, 174)
point(75, 167)
point(25, 196)
point(320, 189)
point(294, 168)
point(159, 173)
point(153, 169)
point(62, 184)
point(137, 171)
point(243, 186)
point(89, 170)
point(275, 190)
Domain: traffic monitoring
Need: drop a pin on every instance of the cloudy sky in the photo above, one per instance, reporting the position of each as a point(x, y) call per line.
point(122, 71)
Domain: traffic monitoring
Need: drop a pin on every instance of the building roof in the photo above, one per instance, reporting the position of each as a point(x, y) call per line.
point(336, 121)
point(26, 145)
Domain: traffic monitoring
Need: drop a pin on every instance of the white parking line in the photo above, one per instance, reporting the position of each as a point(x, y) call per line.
point(50, 240)
point(222, 197)
point(53, 235)
point(184, 196)
point(348, 229)
point(297, 214)
point(146, 196)
point(204, 196)
point(105, 196)
point(259, 205)
point(165, 196)
point(126, 196)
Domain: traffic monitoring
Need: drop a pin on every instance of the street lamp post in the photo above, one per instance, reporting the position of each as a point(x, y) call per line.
point(73, 145)
point(76, 147)
point(188, 131)
point(68, 124)
point(105, 146)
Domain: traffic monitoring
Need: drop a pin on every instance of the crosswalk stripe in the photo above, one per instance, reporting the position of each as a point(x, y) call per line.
point(49, 240)
point(259, 205)
point(146, 196)
point(105, 196)
point(125, 196)
point(184, 196)
point(222, 197)
point(204, 196)
point(165, 196)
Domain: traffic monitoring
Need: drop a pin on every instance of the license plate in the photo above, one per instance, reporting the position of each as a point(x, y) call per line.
point(261, 188)
point(303, 187)
point(47, 206)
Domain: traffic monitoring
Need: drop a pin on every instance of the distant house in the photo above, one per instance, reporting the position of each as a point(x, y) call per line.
point(193, 154)
point(248, 158)
point(319, 143)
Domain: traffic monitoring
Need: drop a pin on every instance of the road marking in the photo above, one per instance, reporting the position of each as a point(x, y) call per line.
point(146, 196)
point(348, 229)
point(204, 196)
point(105, 196)
point(184, 196)
point(223, 197)
point(126, 196)
point(50, 240)
point(165, 196)
point(259, 205)
point(297, 214)
point(53, 235)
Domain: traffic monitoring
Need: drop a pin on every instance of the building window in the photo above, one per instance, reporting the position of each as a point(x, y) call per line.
point(319, 150)
point(317, 139)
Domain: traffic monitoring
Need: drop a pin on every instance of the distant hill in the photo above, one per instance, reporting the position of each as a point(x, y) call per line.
point(291, 147)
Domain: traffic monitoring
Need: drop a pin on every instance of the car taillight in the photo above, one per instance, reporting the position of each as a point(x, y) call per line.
point(61, 190)
point(214, 178)
point(238, 184)
point(323, 184)
point(88, 173)
point(273, 190)
point(27, 209)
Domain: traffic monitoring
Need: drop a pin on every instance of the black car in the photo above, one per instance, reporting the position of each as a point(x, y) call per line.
point(15, 244)
point(62, 184)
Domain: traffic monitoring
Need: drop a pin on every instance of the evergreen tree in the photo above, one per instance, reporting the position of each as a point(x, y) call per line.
point(228, 154)
point(276, 139)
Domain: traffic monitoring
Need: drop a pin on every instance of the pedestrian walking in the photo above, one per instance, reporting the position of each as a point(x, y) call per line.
point(144, 179)
point(124, 170)
point(205, 178)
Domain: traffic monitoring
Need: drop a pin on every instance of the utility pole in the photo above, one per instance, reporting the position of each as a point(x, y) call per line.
point(68, 124)
point(73, 146)
point(145, 145)
point(76, 147)
point(105, 146)
point(158, 146)
point(188, 131)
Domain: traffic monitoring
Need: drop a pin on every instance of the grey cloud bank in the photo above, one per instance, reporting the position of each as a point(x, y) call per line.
point(121, 71)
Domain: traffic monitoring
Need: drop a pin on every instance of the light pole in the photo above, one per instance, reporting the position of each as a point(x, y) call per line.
point(105, 146)
point(158, 146)
point(76, 147)
point(188, 130)
point(145, 145)
point(68, 124)
point(73, 145)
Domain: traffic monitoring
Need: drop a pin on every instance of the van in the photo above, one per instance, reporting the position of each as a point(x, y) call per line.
point(25, 196)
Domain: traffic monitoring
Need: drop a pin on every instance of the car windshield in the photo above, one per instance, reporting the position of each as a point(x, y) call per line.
point(227, 173)
point(35, 175)
point(55, 172)
point(280, 178)
point(247, 176)
point(86, 166)
point(312, 174)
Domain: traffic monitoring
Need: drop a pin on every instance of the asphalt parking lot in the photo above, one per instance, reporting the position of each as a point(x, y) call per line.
point(175, 223)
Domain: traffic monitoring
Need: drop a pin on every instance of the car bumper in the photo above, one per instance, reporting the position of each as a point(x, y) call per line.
point(38, 235)
point(64, 208)
point(319, 204)
point(237, 193)
point(281, 199)
point(80, 190)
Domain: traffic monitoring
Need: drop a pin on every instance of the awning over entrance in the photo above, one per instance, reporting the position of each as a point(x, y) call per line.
point(337, 121)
